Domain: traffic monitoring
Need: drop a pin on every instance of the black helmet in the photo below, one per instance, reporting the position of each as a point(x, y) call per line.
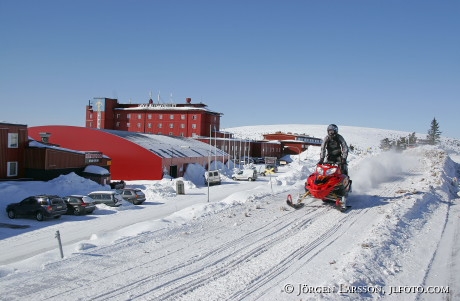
point(332, 130)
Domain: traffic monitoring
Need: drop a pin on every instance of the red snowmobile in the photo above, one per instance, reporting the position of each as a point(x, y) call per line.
point(327, 183)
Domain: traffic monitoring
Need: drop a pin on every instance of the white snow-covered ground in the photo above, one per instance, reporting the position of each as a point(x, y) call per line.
point(239, 240)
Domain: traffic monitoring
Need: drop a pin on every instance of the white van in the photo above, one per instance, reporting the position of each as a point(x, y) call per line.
point(245, 174)
point(212, 177)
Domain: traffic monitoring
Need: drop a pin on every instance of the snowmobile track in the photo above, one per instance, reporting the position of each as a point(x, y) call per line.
point(210, 266)
point(199, 275)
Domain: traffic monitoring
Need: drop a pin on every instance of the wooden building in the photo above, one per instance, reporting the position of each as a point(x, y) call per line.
point(24, 159)
point(13, 142)
point(47, 161)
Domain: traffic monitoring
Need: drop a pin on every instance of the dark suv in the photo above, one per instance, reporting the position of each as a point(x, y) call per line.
point(79, 204)
point(132, 195)
point(39, 206)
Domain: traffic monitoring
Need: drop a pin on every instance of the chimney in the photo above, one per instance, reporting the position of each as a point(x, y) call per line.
point(45, 137)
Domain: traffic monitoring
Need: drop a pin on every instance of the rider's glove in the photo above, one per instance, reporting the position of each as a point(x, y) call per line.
point(344, 161)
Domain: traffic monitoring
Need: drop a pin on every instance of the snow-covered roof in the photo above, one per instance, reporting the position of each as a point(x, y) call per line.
point(38, 144)
point(170, 146)
point(166, 107)
point(163, 108)
point(94, 169)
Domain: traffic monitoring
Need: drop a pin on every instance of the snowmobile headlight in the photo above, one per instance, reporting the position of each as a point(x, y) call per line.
point(331, 171)
point(319, 170)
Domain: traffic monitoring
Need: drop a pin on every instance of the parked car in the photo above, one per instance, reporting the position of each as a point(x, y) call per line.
point(246, 160)
point(39, 206)
point(132, 195)
point(212, 177)
point(107, 197)
point(245, 174)
point(117, 185)
point(259, 160)
point(79, 204)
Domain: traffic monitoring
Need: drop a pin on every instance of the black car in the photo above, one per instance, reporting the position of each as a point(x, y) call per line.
point(132, 195)
point(79, 204)
point(39, 206)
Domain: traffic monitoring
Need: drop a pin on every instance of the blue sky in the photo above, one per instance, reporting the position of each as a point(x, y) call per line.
point(381, 64)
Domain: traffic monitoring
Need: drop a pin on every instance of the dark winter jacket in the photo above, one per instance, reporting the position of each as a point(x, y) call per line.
point(334, 147)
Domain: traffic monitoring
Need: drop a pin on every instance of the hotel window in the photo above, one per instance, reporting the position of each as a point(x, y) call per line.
point(160, 116)
point(182, 126)
point(149, 116)
point(160, 125)
point(171, 116)
point(128, 116)
point(194, 117)
point(13, 140)
point(182, 135)
point(118, 116)
point(149, 125)
point(193, 126)
point(182, 117)
point(171, 134)
point(171, 125)
point(128, 124)
point(139, 116)
point(138, 125)
point(12, 169)
point(117, 124)
point(90, 115)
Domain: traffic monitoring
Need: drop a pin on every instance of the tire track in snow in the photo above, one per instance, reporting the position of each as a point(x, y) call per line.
point(303, 254)
point(212, 265)
point(277, 268)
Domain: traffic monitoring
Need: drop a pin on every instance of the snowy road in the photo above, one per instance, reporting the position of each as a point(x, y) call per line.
point(74, 229)
point(400, 237)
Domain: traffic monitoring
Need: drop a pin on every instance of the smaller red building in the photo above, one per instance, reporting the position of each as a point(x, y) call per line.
point(46, 161)
point(293, 143)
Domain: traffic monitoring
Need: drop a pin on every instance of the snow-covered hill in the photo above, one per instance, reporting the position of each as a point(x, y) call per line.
point(239, 241)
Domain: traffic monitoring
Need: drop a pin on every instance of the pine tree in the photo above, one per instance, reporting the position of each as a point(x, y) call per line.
point(401, 143)
point(434, 135)
point(412, 139)
point(385, 144)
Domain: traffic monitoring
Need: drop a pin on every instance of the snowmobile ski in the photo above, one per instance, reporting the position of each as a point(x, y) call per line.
point(344, 209)
point(291, 204)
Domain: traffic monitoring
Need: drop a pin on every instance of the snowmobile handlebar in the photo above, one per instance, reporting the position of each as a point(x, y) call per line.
point(330, 163)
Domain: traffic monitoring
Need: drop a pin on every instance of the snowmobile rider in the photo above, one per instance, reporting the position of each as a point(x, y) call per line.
point(336, 148)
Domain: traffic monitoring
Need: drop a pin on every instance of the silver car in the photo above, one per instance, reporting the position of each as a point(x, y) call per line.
point(132, 195)
point(109, 198)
